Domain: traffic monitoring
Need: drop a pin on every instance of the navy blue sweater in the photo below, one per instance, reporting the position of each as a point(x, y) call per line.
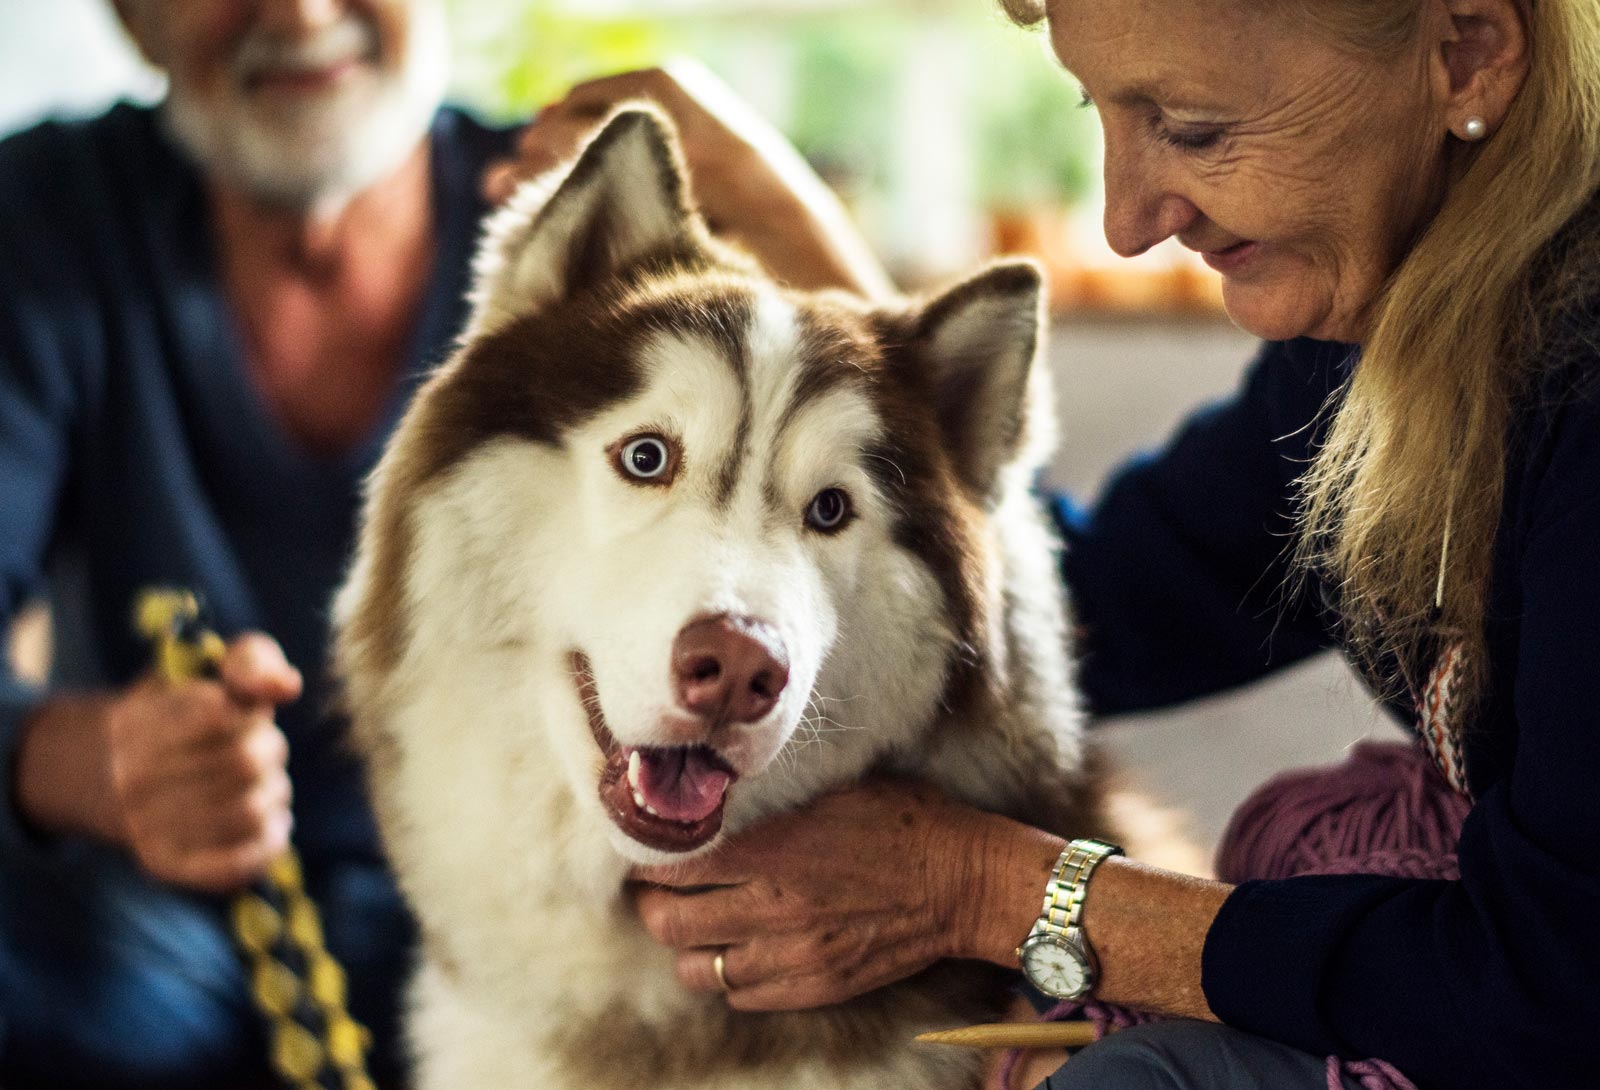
point(1489, 982)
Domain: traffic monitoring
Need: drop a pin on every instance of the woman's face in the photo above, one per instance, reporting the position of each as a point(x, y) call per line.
point(1300, 170)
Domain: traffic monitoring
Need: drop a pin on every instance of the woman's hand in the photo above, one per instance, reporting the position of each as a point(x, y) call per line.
point(752, 186)
point(867, 886)
point(860, 889)
point(190, 777)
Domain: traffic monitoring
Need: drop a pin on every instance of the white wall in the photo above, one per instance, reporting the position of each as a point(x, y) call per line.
point(66, 56)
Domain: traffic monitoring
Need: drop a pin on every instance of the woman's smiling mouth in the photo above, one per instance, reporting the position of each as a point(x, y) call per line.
point(1232, 258)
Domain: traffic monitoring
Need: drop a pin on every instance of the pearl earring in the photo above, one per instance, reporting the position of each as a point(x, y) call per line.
point(1474, 129)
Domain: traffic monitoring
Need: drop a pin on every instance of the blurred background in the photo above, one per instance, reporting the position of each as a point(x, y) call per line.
point(952, 136)
point(948, 131)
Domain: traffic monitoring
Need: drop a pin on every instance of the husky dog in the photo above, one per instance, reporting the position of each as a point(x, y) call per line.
point(663, 549)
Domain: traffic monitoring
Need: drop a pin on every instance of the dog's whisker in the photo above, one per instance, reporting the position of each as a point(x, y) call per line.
point(890, 463)
point(812, 721)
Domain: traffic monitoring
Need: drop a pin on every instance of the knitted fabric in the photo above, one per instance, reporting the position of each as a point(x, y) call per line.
point(1385, 810)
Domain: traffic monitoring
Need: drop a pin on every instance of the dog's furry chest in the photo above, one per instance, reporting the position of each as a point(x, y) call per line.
point(533, 961)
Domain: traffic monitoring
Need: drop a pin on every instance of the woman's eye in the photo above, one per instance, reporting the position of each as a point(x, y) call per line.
point(1198, 140)
point(829, 510)
point(646, 458)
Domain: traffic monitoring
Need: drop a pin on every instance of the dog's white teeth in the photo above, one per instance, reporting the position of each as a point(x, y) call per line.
point(638, 800)
point(633, 772)
point(651, 810)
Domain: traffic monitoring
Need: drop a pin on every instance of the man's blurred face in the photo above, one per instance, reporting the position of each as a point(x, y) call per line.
point(297, 101)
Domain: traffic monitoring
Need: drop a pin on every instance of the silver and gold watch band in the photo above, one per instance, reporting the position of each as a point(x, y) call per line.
point(1069, 884)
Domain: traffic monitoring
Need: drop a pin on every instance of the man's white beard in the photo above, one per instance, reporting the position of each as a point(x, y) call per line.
point(323, 154)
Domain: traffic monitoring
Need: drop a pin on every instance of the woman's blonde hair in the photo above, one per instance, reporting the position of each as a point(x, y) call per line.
point(1400, 506)
point(1402, 502)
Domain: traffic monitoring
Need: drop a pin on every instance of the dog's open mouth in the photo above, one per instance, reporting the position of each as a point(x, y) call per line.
point(666, 797)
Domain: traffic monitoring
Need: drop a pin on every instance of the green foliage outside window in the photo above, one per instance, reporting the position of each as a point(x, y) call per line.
point(513, 56)
point(1032, 145)
point(1039, 145)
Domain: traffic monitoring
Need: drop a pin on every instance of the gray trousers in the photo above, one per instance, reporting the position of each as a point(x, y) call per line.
point(1191, 1056)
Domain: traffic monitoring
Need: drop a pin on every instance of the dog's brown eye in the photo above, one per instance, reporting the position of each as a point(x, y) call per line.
point(645, 459)
point(829, 511)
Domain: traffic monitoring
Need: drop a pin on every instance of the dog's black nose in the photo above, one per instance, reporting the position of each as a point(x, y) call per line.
point(729, 669)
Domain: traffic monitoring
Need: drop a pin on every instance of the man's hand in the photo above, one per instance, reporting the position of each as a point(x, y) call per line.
point(198, 769)
point(190, 777)
point(862, 888)
point(752, 186)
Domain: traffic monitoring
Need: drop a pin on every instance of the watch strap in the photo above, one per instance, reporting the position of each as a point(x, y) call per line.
point(1064, 893)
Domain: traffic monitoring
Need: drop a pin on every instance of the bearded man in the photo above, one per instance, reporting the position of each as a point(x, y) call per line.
point(211, 313)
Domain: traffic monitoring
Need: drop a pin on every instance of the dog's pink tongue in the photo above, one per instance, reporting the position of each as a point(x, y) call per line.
point(682, 784)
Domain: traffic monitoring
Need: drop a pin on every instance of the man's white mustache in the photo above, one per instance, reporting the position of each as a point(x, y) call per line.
point(262, 53)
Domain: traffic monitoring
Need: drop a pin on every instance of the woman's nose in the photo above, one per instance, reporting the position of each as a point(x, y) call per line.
point(1141, 209)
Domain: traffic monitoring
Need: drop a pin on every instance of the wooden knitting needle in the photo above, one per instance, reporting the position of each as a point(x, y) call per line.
point(1016, 1035)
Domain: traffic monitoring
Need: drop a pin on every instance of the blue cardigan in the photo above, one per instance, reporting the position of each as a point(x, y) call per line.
point(1178, 575)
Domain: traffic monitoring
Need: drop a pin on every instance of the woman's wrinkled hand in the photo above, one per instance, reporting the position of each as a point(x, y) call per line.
point(751, 185)
point(861, 888)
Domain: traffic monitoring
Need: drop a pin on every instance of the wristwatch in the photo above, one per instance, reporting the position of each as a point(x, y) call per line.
point(1055, 956)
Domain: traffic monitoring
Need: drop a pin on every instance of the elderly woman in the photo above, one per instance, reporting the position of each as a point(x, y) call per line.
point(1401, 198)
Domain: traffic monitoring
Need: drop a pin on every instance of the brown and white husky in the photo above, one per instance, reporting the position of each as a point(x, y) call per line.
point(663, 549)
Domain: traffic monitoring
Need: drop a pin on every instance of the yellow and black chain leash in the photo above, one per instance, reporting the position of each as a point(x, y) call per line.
point(297, 985)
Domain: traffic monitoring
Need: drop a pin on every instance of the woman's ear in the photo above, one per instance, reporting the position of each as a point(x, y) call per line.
point(1479, 62)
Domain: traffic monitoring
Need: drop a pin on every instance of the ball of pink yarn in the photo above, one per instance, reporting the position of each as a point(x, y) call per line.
point(1384, 810)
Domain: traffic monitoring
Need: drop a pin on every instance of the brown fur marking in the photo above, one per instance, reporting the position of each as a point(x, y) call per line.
point(939, 520)
point(964, 395)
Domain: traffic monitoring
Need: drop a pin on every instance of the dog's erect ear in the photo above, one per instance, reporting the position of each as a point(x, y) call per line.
point(622, 199)
point(979, 340)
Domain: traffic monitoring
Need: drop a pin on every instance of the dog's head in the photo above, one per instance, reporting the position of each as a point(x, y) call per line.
point(719, 523)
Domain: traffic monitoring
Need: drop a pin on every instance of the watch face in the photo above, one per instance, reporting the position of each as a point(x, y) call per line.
point(1054, 967)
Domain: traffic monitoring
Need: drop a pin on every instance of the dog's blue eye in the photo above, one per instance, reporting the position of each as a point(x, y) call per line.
point(646, 458)
point(829, 510)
